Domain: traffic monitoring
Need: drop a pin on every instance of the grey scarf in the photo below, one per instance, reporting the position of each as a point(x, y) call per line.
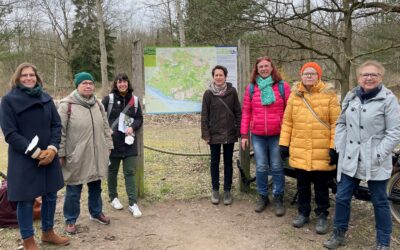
point(86, 102)
point(217, 90)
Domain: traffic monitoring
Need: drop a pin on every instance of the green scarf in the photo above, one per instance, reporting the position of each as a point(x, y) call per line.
point(265, 86)
point(86, 102)
point(34, 92)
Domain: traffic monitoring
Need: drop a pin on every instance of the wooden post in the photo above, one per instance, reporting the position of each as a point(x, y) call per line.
point(138, 90)
point(243, 78)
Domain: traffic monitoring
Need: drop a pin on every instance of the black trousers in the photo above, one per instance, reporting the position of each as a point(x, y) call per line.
point(321, 191)
point(214, 169)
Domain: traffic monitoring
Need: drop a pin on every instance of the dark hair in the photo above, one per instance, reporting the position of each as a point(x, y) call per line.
point(122, 77)
point(276, 76)
point(221, 68)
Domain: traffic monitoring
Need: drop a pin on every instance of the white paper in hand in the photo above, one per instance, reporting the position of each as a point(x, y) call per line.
point(32, 144)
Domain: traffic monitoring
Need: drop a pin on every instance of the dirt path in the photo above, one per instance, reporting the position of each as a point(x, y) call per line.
point(194, 225)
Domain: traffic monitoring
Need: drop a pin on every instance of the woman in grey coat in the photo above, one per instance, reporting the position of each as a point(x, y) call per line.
point(367, 131)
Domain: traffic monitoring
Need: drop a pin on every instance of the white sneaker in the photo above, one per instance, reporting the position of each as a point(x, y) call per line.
point(135, 210)
point(116, 204)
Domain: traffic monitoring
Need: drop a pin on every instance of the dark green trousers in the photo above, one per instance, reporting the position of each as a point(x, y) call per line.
point(129, 175)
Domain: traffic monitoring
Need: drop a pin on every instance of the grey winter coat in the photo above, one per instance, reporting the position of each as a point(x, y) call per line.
point(85, 141)
point(366, 134)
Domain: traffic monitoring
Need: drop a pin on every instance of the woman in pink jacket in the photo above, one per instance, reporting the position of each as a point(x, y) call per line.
point(262, 113)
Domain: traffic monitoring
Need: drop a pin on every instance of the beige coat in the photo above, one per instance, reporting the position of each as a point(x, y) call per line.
point(85, 141)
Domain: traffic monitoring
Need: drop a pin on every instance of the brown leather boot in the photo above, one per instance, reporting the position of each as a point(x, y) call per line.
point(30, 244)
point(51, 237)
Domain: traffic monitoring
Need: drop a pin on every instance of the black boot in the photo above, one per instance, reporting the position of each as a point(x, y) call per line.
point(279, 207)
point(262, 203)
point(336, 240)
point(322, 224)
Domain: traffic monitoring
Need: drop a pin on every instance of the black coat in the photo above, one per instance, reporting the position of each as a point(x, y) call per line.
point(121, 149)
point(23, 117)
point(218, 125)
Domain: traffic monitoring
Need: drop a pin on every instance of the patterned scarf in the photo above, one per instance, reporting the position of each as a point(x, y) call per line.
point(217, 90)
point(34, 92)
point(86, 102)
point(265, 86)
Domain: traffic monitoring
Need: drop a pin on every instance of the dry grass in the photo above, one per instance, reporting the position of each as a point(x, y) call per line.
point(169, 177)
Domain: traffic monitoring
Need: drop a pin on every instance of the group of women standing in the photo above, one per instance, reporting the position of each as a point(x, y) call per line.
point(76, 144)
point(71, 145)
point(306, 125)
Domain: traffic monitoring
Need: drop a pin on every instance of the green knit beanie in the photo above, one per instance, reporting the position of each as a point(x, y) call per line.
point(82, 76)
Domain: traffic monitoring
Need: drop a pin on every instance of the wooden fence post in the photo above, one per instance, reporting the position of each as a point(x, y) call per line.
point(138, 90)
point(243, 78)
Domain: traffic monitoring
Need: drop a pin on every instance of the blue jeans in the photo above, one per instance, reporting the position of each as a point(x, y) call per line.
point(72, 203)
point(267, 155)
point(383, 219)
point(25, 214)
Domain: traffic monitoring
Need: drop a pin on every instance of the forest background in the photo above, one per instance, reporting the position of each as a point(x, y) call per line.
point(63, 37)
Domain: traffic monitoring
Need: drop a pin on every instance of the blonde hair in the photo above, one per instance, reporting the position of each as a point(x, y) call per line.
point(17, 74)
point(374, 63)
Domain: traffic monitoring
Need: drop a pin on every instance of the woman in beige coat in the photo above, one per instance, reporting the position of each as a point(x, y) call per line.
point(85, 146)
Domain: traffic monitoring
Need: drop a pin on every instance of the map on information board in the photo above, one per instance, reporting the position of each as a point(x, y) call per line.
point(176, 78)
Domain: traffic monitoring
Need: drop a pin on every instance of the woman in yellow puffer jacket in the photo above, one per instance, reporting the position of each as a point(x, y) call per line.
point(307, 138)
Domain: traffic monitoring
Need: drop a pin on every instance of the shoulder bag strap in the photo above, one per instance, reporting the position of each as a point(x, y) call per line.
point(123, 111)
point(226, 106)
point(313, 113)
point(110, 104)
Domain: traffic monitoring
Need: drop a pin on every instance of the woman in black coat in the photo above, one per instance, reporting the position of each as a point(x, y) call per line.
point(29, 114)
point(220, 125)
point(121, 100)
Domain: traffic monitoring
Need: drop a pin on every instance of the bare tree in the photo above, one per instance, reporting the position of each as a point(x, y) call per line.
point(292, 23)
point(103, 50)
point(181, 24)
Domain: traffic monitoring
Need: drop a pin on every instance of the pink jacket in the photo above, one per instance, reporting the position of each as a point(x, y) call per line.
point(265, 120)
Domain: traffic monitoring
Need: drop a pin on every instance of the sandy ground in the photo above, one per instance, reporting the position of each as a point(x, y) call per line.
point(195, 224)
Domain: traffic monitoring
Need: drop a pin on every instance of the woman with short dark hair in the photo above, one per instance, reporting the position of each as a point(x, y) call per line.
point(220, 125)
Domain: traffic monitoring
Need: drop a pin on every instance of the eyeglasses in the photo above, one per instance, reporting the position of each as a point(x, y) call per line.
point(87, 83)
point(309, 74)
point(30, 75)
point(372, 75)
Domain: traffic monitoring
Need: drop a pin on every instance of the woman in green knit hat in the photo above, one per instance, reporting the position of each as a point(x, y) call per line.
point(85, 146)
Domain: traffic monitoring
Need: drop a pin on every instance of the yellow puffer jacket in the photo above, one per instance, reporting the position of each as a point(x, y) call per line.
point(307, 138)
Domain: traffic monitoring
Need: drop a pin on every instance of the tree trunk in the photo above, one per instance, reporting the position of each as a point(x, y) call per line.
point(243, 79)
point(348, 53)
point(310, 43)
point(181, 25)
point(139, 89)
point(103, 50)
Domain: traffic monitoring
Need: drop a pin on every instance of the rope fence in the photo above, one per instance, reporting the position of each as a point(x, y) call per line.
point(180, 154)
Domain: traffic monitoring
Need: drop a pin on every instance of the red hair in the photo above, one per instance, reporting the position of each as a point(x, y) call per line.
point(276, 76)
